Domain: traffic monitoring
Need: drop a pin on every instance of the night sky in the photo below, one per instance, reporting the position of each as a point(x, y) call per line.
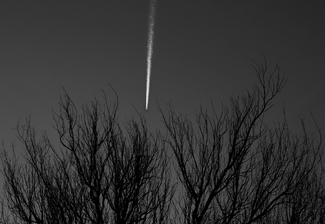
point(202, 52)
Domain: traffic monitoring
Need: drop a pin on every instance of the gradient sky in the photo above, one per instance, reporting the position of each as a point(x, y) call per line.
point(202, 51)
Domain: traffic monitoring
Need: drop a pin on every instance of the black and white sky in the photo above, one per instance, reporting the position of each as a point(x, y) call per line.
point(202, 51)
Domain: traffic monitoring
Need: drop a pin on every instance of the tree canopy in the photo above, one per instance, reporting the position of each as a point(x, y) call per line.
point(226, 166)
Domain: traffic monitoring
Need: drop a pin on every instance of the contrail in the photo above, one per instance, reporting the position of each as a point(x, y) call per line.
point(150, 47)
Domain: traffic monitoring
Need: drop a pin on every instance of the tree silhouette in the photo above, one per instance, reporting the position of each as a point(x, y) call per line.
point(100, 174)
point(229, 166)
point(234, 168)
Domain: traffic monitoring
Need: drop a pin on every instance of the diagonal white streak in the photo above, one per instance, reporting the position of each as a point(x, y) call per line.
point(150, 47)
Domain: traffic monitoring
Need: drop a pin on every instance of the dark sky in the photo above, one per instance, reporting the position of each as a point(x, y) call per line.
point(202, 51)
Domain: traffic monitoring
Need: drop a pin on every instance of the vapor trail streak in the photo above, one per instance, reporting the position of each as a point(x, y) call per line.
point(150, 47)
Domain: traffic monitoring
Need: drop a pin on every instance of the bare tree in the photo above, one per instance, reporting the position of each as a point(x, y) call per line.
point(231, 166)
point(100, 173)
point(234, 168)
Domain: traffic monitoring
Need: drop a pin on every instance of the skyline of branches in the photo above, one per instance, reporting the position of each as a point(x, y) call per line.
point(227, 166)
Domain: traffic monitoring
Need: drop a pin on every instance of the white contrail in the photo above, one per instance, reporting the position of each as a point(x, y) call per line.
point(150, 47)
